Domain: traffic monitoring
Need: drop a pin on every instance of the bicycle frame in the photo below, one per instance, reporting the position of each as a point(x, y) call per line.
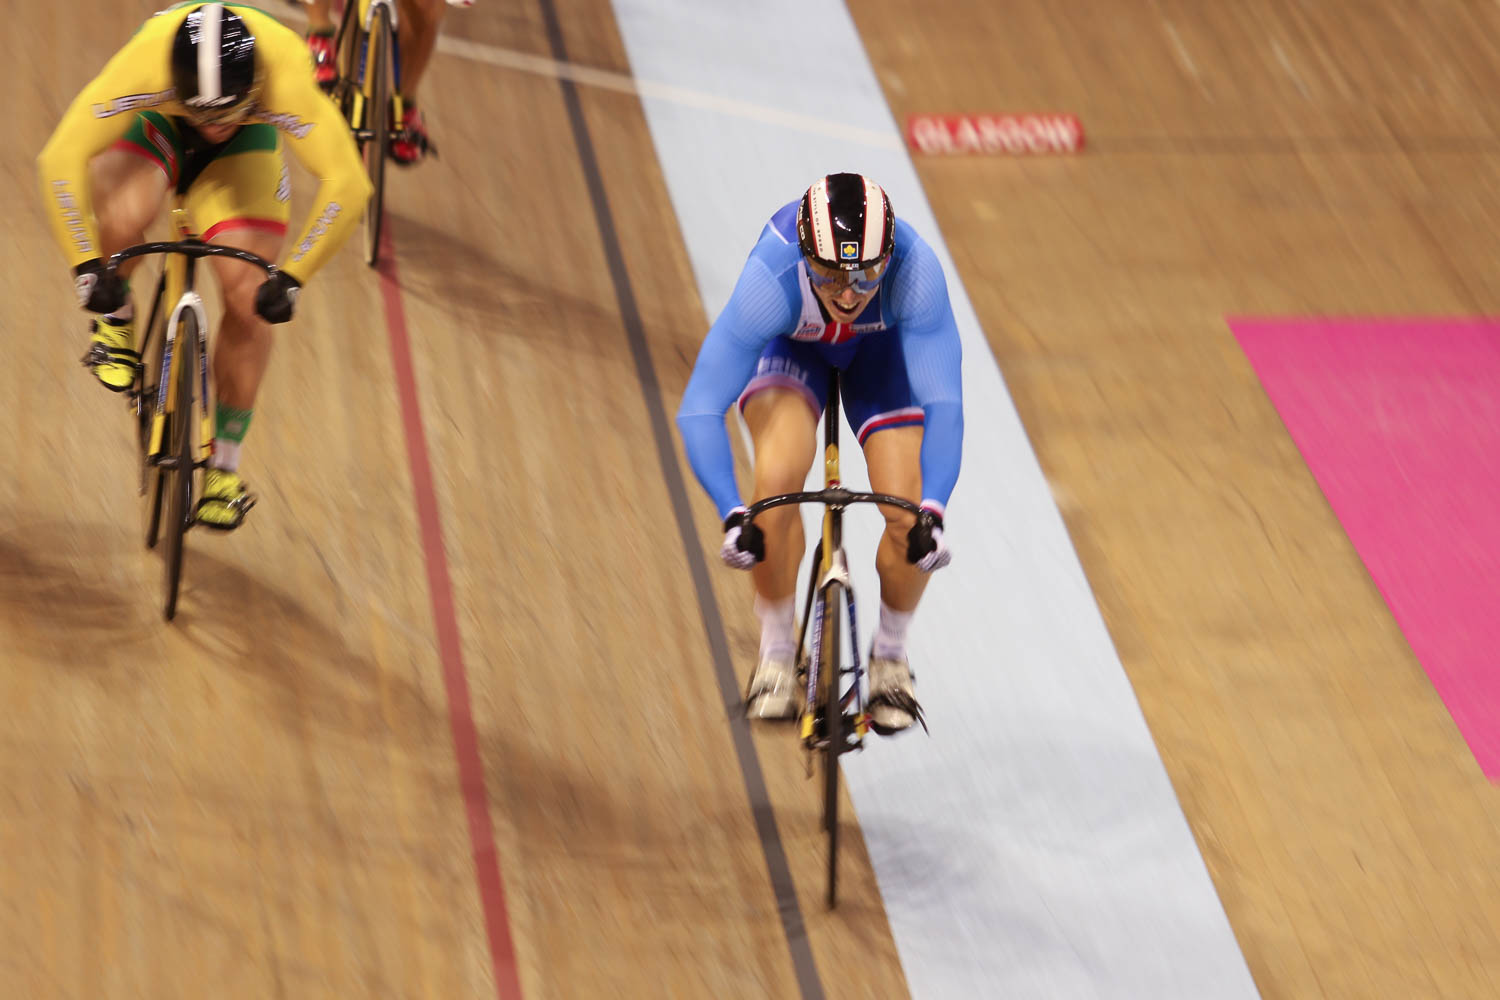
point(352, 66)
point(832, 567)
point(178, 274)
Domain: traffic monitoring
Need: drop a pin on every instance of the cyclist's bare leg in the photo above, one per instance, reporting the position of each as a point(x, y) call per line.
point(894, 460)
point(320, 42)
point(129, 191)
point(784, 431)
point(320, 16)
point(242, 350)
point(420, 20)
point(783, 428)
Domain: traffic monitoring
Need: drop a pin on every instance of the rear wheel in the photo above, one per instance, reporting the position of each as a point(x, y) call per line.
point(378, 122)
point(177, 474)
point(346, 51)
point(833, 728)
point(153, 509)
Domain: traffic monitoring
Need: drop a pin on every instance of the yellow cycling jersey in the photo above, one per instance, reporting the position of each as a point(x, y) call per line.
point(140, 77)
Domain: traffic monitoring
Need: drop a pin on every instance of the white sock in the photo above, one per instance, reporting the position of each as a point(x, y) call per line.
point(226, 455)
point(776, 622)
point(890, 636)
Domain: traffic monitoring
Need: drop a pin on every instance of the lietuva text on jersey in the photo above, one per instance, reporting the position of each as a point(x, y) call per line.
point(139, 78)
point(773, 299)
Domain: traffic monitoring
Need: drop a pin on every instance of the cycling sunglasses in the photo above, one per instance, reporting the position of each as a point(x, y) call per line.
point(834, 279)
point(238, 115)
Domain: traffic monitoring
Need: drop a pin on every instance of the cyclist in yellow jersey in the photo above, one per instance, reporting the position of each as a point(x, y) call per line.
point(418, 21)
point(199, 101)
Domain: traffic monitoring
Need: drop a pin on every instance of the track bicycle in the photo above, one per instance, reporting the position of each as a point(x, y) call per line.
point(368, 92)
point(835, 714)
point(162, 396)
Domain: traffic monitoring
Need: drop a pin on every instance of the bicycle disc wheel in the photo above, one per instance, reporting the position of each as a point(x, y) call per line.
point(833, 730)
point(177, 477)
point(378, 121)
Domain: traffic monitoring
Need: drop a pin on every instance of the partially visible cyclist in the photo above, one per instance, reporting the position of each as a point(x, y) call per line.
point(198, 102)
point(836, 281)
point(418, 22)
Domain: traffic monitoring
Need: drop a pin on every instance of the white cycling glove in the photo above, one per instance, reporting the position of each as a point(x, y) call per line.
point(939, 555)
point(733, 555)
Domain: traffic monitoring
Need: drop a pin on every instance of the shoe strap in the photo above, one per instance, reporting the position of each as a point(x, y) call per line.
point(98, 354)
point(901, 701)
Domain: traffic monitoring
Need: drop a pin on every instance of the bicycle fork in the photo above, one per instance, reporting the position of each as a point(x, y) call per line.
point(166, 386)
point(837, 572)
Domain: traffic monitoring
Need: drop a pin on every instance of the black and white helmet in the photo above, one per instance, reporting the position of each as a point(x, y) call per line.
point(845, 223)
point(214, 66)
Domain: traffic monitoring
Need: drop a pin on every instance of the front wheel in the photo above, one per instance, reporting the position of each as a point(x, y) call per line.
point(145, 412)
point(833, 728)
point(177, 476)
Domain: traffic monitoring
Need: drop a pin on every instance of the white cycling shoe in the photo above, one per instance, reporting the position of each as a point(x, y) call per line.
point(893, 702)
point(773, 692)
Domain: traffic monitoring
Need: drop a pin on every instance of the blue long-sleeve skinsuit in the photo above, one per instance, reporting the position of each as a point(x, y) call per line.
point(909, 316)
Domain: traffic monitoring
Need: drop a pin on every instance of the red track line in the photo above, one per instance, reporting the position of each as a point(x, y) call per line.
point(450, 648)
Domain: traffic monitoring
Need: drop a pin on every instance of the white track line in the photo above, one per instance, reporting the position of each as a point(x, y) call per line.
point(524, 62)
point(1185, 58)
point(646, 89)
point(1286, 64)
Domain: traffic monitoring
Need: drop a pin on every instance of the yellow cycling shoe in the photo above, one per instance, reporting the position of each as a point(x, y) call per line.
point(112, 354)
point(225, 500)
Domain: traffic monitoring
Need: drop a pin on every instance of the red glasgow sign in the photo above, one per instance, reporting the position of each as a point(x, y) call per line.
point(998, 134)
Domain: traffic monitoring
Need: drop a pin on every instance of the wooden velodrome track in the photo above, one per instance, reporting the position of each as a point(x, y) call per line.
point(284, 793)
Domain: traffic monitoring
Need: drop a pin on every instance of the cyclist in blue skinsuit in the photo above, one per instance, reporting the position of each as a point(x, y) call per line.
point(835, 280)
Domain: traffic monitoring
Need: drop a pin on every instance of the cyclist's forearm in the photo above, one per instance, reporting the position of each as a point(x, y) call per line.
point(706, 442)
point(63, 175)
point(69, 206)
point(934, 367)
point(942, 449)
point(723, 369)
point(339, 206)
point(319, 138)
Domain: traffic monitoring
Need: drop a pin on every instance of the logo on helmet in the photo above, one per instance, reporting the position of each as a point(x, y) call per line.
point(849, 250)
